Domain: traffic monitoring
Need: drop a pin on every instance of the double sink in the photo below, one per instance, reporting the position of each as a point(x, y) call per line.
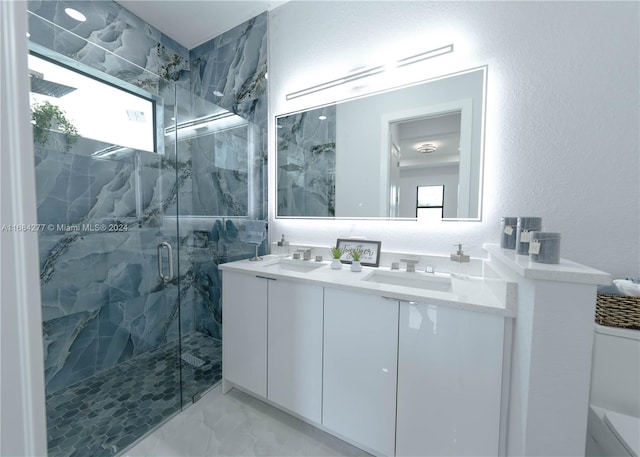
point(435, 282)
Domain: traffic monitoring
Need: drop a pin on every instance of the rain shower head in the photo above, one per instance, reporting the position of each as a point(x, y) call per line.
point(40, 86)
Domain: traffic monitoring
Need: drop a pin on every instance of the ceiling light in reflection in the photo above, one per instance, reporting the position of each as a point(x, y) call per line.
point(322, 118)
point(75, 14)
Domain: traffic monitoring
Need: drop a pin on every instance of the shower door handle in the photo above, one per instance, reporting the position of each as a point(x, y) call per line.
point(167, 246)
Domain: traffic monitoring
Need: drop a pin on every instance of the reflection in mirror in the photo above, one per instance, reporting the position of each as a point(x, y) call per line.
point(367, 157)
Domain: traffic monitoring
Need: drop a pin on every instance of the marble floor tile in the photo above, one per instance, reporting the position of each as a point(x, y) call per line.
point(236, 424)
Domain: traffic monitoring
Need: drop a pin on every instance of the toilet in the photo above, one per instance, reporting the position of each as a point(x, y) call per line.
point(613, 427)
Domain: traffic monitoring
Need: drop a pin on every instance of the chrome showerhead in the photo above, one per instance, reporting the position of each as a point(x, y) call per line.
point(40, 86)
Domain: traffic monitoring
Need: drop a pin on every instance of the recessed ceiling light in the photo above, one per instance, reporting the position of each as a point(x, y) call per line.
point(75, 14)
point(28, 35)
point(322, 118)
point(426, 148)
point(217, 93)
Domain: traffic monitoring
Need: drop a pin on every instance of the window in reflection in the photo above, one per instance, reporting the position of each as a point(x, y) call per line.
point(430, 203)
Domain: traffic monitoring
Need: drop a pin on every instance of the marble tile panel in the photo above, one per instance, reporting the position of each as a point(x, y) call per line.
point(234, 64)
point(307, 163)
point(109, 35)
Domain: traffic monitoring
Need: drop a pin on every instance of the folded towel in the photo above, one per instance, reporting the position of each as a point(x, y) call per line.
point(610, 289)
point(255, 232)
point(627, 287)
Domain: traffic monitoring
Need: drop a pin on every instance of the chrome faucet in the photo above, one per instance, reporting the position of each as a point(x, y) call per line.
point(411, 264)
point(306, 253)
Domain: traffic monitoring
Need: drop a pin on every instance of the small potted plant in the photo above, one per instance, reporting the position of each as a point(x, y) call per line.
point(356, 254)
point(336, 254)
point(46, 117)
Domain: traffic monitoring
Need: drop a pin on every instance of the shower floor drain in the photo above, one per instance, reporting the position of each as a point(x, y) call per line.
point(192, 359)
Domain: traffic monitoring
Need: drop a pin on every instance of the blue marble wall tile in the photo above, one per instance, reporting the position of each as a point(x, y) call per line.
point(235, 65)
point(224, 163)
point(83, 344)
point(117, 32)
point(307, 163)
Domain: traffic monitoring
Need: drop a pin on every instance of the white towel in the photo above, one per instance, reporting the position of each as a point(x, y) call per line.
point(627, 287)
point(255, 232)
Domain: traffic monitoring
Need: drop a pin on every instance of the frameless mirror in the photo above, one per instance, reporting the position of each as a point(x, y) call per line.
point(410, 153)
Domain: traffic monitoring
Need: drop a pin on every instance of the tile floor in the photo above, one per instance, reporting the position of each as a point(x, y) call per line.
point(104, 414)
point(237, 424)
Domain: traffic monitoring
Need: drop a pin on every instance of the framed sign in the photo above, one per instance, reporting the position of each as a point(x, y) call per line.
point(370, 251)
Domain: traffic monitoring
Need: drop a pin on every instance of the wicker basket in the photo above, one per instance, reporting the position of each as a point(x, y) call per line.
point(618, 311)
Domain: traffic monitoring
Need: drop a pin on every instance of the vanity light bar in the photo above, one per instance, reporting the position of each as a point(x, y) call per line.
point(424, 56)
point(371, 72)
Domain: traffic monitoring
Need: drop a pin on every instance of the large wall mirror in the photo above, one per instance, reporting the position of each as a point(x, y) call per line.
point(410, 153)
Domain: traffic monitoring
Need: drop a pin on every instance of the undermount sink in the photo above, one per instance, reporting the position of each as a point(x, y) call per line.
point(299, 266)
point(410, 279)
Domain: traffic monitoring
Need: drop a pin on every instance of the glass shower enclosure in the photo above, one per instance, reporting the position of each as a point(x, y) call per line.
point(132, 230)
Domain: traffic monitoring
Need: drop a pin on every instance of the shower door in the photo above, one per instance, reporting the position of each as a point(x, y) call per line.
point(218, 147)
point(108, 182)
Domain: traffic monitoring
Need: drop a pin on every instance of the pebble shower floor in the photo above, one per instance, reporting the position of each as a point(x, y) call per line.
point(104, 414)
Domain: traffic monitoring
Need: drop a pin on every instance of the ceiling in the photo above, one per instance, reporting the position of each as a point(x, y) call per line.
point(193, 22)
point(441, 131)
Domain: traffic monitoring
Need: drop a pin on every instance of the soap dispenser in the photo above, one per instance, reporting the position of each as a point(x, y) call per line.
point(461, 266)
point(283, 247)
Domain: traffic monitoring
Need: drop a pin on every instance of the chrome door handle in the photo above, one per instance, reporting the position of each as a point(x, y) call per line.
point(167, 245)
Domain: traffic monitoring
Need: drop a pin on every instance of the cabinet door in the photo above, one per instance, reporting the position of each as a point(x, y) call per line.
point(449, 381)
point(295, 348)
point(244, 333)
point(360, 366)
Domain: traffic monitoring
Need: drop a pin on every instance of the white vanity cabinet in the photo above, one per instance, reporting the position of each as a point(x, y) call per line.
point(449, 381)
point(360, 368)
point(244, 337)
point(295, 315)
point(272, 340)
point(392, 376)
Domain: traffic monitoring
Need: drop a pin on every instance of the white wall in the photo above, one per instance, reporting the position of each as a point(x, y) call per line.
point(359, 178)
point(411, 178)
point(562, 112)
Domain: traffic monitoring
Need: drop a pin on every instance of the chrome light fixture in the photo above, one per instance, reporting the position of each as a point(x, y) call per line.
point(372, 71)
point(426, 148)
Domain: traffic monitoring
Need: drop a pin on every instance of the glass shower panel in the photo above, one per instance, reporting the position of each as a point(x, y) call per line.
point(110, 276)
point(219, 148)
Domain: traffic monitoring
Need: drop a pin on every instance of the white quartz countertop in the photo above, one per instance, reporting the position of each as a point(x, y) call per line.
point(487, 295)
point(565, 271)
